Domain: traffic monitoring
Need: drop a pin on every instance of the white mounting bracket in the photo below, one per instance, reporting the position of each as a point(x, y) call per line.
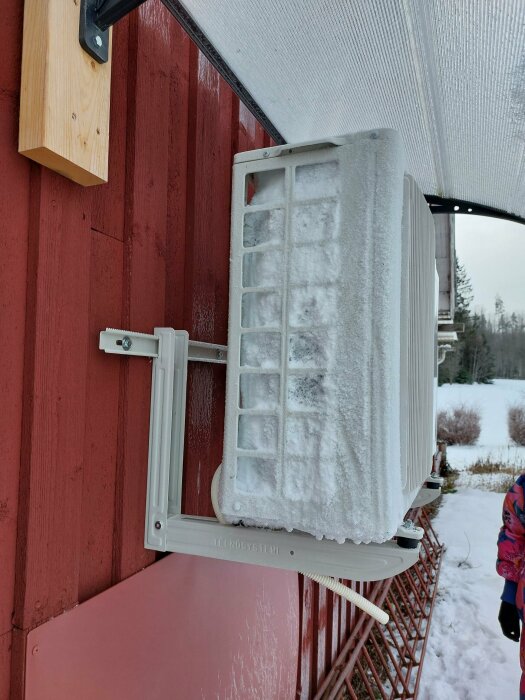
point(430, 490)
point(168, 529)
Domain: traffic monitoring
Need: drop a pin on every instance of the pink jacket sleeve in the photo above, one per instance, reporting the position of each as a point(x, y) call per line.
point(511, 540)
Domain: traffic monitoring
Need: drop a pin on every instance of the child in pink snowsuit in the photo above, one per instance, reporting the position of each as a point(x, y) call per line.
point(511, 565)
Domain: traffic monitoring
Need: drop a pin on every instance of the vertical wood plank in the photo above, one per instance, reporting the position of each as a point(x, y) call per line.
point(144, 267)
point(11, 43)
point(320, 646)
point(18, 663)
point(250, 134)
point(101, 429)
point(109, 200)
point(178, 178)
point(206, 292)
point(337, 603)
point(330, 603)
point(305, 672)
point(5, 664)
point(343, 608)
point(14, 201)
point(54, 399)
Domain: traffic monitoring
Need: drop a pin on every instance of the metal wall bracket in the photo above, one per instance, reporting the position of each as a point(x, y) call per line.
point(120, 342)
point(430, 490)
point(96, 17)
point(167, 528)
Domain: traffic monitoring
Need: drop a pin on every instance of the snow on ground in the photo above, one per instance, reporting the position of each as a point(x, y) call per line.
point(467, 656)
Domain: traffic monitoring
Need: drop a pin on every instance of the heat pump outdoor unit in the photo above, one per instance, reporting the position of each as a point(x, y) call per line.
point(332, 330)
point(329, 429)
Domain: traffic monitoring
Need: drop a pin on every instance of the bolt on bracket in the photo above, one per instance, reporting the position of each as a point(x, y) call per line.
point(96, 17)
point(120, 342)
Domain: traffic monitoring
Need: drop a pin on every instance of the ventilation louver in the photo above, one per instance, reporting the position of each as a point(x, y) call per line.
point(329, 410)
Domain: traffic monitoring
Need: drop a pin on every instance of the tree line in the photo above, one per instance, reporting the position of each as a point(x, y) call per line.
point(491, 346)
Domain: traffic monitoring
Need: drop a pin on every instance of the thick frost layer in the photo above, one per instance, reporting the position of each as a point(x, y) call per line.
point(312, 439)
point(449, 76)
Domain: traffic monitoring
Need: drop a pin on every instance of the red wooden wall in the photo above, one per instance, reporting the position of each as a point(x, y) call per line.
point(149, 248)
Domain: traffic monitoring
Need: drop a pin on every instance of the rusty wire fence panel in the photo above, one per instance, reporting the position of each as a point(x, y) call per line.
point(345, 654)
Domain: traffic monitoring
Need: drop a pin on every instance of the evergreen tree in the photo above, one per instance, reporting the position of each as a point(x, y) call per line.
point(506, 337)
point(473, 359)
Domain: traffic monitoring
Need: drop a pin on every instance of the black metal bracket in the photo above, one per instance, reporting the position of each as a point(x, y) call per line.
point(96, 17)
point(442, 205)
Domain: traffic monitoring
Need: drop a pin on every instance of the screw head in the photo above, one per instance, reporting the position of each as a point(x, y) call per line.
point(126, 343)
point(158, 525)
point(98, 40)
point(219, 354)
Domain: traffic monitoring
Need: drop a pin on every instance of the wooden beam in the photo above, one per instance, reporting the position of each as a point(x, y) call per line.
point(64, 95)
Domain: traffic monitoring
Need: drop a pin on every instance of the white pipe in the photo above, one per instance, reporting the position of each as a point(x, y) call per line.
point(355, 598)
point(215, 496)
point(331, 583)
point(443, 349)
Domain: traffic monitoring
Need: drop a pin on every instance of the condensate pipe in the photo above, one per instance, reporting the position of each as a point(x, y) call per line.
point(327, 581)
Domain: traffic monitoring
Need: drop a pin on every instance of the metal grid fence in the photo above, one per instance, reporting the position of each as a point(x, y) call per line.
point(385, 662)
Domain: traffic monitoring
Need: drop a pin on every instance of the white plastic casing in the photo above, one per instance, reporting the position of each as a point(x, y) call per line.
point(331, 340)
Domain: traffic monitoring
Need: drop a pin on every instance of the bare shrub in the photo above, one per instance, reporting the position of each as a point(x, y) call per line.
point(504, 485)
point(450, 481)
point(516, 423)
point(487, 466)
point(459, 426)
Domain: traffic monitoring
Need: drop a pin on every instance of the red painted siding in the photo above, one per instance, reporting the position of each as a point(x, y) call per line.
point(149, 248)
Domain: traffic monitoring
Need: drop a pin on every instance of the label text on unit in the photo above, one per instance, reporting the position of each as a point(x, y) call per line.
point(257, 547)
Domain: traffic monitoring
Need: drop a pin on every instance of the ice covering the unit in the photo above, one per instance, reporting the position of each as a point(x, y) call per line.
point(449, 75)
point(312, 429)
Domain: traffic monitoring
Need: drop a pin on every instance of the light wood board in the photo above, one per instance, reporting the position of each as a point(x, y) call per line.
point(64, 95)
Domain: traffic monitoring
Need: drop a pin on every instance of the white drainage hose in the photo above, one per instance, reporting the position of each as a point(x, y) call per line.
point(215, 496)
point(345, 592)
point(331, 583)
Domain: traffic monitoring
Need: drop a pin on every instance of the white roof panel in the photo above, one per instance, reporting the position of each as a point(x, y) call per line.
point(447, 74)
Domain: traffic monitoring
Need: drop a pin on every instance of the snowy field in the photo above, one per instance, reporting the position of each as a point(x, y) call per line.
point(467, 656)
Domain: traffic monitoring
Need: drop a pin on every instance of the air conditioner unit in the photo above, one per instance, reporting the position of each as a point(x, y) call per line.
point(329, 402)
point(329, 423)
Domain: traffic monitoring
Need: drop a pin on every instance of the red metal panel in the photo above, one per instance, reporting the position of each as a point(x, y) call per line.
point(102, 405)
point(14, 195)
point(186, 627)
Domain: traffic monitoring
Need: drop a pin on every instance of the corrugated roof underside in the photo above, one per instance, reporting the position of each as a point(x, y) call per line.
point(447, 74)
